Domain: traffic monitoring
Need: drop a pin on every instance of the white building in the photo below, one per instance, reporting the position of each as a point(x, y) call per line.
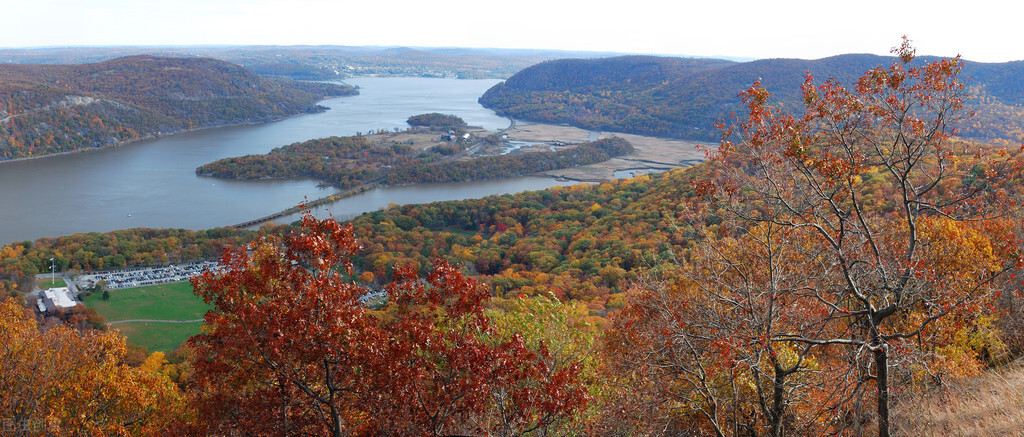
point(55, 298)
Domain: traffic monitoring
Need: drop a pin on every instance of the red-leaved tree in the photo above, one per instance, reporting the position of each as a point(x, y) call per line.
point(860, 244)
point(289, 349)
point(911, 224)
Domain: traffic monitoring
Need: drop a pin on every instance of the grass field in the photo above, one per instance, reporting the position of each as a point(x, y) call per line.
point(158, 336)
point(47, 283)
point(173, 301)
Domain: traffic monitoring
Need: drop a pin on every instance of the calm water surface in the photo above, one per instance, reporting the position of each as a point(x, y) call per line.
point(153, 183)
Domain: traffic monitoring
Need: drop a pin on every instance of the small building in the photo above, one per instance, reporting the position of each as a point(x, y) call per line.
point(373, 295)
point(55, 298)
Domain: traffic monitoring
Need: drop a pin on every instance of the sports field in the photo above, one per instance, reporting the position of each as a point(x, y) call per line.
point(158, 336)
point(160, 309)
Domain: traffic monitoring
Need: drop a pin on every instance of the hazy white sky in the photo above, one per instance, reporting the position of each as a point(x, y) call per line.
point(980, 30)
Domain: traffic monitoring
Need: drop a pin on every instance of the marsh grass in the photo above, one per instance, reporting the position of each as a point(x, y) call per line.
point(991, 404)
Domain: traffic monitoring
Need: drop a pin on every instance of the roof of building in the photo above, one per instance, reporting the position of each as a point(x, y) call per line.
point(60, 296)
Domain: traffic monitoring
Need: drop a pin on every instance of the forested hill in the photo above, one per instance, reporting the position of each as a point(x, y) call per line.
point(46, 109)
point(683, 97)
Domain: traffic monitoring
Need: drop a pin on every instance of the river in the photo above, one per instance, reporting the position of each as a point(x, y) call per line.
point(153, 183)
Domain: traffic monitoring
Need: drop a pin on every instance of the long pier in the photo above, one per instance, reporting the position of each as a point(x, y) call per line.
point(262, 220)
point(306, 205)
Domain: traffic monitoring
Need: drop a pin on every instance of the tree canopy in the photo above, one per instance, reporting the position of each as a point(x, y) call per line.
point(684, 98)
point(826, 278)
point(289, 349)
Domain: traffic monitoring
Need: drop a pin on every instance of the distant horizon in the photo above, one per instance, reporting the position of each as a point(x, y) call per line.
point(396, 46)
point(747, 29)
point(518, 49)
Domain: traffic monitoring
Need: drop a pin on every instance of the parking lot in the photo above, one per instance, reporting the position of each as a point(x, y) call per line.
point(146, 276)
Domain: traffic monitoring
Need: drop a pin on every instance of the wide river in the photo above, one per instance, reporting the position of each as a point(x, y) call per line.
point(153, 183)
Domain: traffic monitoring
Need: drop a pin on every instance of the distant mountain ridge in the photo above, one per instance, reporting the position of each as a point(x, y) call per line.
point(322, 62)
point(46, 109)
point(684, 97)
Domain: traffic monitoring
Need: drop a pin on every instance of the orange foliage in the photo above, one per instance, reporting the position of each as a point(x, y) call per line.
point(61, 382)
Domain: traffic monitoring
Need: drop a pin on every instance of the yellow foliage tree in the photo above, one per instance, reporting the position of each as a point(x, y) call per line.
point(61, 382)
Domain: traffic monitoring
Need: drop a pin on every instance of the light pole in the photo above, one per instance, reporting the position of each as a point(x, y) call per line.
point(53, 272)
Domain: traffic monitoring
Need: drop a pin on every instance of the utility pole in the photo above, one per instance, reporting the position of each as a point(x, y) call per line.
point(53, 272)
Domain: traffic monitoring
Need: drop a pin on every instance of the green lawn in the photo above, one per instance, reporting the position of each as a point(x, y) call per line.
point(173, 301)
point(56, 283)
point(158, 336)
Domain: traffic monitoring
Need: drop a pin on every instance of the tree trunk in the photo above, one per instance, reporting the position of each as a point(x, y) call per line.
point(777, 403)
point(882, 382)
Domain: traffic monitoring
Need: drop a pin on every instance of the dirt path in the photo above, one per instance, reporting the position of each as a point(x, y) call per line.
point(154, 321)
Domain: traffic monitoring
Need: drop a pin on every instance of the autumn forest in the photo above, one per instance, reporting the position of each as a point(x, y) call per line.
point(50, 109)
point(852, 244)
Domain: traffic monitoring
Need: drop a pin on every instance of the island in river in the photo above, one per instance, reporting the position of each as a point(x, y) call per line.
point(418, 155)
point(451, 152)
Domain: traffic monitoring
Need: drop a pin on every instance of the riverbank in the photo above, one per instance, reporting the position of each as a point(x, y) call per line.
point(155, 136)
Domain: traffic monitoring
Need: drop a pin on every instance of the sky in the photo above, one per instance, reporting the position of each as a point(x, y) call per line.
point(979, 30)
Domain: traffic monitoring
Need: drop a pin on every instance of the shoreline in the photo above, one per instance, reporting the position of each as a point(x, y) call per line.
point(149, 137)
point(652, 151)
point(355, 191)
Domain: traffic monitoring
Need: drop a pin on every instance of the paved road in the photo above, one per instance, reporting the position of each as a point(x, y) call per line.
point(72, 287)
point(154, 321)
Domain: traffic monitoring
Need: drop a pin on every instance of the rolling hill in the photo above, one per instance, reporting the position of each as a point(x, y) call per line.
point(684, 97)
point(47, 109)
